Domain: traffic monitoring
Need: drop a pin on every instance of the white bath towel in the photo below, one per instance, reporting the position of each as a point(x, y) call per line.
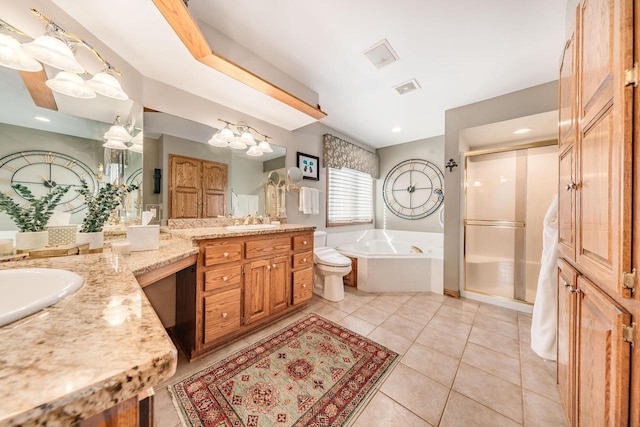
point(235, 206)
point(247, 205)
point(545, 309)
point(309, 200)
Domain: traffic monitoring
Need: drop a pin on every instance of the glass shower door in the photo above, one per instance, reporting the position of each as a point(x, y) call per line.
point(507, 195)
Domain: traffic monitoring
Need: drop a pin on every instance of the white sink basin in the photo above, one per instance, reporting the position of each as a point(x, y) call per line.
point(250, 227)
point(27, 290)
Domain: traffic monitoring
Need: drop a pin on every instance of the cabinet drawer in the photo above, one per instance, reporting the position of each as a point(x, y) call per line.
point(303, 259)
point(222, 277)
point(267, 247)
point(302, 285)
point(218, 253)
point(303, 242)
point(221, 314)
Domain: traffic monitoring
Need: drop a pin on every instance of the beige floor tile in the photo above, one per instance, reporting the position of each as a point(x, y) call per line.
point(428, 297)
point(462, 304)
point(389, 339)
point(371, 314)
point(496, 342)
point(443, 342)
point(457, 315)
point(357, 325)
point(431, 363)
point(397, 297)
point(421, 395)
point(164, 413)
point(450, 326)
point(524, 326)
point(498, 313)
point(384, 411)
point(539, 375)
point(502, 327)
point(464, 412)
point(420, 315)
point(402, 326)
point(385, 305)
point(331, 313)
point(491, 361)
point(542, 412)
point(497, 394)
point(349, 304)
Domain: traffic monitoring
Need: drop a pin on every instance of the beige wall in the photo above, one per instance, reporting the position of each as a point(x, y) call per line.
point(526, 102)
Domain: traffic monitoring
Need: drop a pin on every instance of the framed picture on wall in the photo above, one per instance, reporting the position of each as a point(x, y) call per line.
point(309, 165)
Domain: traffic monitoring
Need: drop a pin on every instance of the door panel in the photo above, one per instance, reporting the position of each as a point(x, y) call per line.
point(256, 291)
point(566, 204)
point(214, 189)
point(567, 277)
point(184, 187)
point(567, 96)
point(279, 284)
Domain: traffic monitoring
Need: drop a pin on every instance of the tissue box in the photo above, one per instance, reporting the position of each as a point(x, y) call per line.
point(143, 237)
point(62, 234)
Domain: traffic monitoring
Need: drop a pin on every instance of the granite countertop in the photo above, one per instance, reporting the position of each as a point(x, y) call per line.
point(218, 232)
point(91, 350)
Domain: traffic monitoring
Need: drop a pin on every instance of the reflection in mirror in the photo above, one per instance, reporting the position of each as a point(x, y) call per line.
point(43, 148)
point(294, 175)
point(169, 136)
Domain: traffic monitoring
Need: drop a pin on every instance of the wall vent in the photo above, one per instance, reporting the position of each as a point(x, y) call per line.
point(381, 54)
point(407, 87)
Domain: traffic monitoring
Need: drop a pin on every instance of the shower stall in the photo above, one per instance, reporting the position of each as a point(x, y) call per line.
point(507, 194)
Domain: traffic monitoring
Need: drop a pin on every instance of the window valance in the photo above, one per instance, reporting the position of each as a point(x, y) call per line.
point(339, 153)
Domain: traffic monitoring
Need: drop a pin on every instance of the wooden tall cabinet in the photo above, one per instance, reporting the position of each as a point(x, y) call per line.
point(597, 302)
point(197, 188)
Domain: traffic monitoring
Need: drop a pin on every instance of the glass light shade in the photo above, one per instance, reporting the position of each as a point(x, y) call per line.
point(254, 151)
point(236, 144)
point(114, 144)
point(70, 84)
point(247, 138)
point(265, 147)
point(217, 142)
point(136, 148)
point(12, 56)
point(117, 132)
point(55, 52)
point(107, 85)
point(226, 135)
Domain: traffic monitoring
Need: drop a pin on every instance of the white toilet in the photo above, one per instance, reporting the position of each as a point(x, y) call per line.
point(329, 268)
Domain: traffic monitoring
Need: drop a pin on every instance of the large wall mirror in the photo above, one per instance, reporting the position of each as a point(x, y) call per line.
point(252, 185)
point(42, 147)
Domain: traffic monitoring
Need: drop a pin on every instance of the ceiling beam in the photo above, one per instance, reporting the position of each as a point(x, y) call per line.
point(179, 18)
point(41, 94)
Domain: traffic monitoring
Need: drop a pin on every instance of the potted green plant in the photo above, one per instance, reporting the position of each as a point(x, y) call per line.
point(99, 209)
point(32, 219)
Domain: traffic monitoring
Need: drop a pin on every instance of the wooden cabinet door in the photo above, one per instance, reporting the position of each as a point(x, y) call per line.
point(567, 204)
point(567, 95)
point(184, 187)
point(214, 189)
point(279, 284)
point(302, 285)
point(256, 290)
point(602, 359)
point(603, 227)
point(567, 283)
point(221, 314)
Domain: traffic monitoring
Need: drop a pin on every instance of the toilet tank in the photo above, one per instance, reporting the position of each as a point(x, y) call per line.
point(319, 239)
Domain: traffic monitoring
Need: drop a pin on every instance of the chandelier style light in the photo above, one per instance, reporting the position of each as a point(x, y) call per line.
point(56, 49)
point(239, 137)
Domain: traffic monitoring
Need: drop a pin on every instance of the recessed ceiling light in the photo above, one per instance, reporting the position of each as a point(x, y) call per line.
point(521, 131)
point(42, 119)
point(381, 54)
point(407, 87)
point(396, 129)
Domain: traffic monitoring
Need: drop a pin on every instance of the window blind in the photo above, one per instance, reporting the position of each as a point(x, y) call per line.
point(350, 196)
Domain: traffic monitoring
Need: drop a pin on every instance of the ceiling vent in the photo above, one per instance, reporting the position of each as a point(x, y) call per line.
point(407, 87)
point(381, 54)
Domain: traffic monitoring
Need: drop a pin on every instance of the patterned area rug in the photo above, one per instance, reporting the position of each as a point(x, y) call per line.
point(311, 373)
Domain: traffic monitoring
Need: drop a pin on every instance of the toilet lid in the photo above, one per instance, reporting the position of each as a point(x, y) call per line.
point(330, 257)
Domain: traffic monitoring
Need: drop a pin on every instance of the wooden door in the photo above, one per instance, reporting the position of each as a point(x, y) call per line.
point(256, 290)
point(214, 189)
point(567, 203)
point(279, 284)
point(567, 283)
point(602, 359)
point(604, 156)
point(184, 187)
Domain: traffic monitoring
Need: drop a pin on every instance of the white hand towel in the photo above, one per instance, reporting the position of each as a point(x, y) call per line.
point(315, 201)
point(304, 200)
point(545, 319)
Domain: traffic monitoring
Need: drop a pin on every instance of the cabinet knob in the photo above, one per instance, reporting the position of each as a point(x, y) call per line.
point(304, 285)
point(273, 265)
point(304, 260)
point(571, 186)
point(226, 254)
point(224, 278)
point(224, 315)
point(565, 283)
point(304, 242)
point(574, 290)
point(268, 267)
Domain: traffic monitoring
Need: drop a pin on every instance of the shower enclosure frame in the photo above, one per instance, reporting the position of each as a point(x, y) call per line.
point(493, 223)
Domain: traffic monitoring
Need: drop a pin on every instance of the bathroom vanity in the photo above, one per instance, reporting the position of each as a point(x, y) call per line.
point(241, 281)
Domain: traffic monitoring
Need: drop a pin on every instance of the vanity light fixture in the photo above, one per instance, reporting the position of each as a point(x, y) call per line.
point(116, 133)
point(239, 137)
point(56, 48)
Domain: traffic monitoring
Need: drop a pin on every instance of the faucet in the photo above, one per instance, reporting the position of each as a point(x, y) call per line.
point(249, 219)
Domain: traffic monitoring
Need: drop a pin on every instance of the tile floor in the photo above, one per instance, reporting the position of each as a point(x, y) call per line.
point(462, 363)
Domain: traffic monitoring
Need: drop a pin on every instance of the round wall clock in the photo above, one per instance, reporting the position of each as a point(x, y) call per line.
point(41, 171)
point(413, 189)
